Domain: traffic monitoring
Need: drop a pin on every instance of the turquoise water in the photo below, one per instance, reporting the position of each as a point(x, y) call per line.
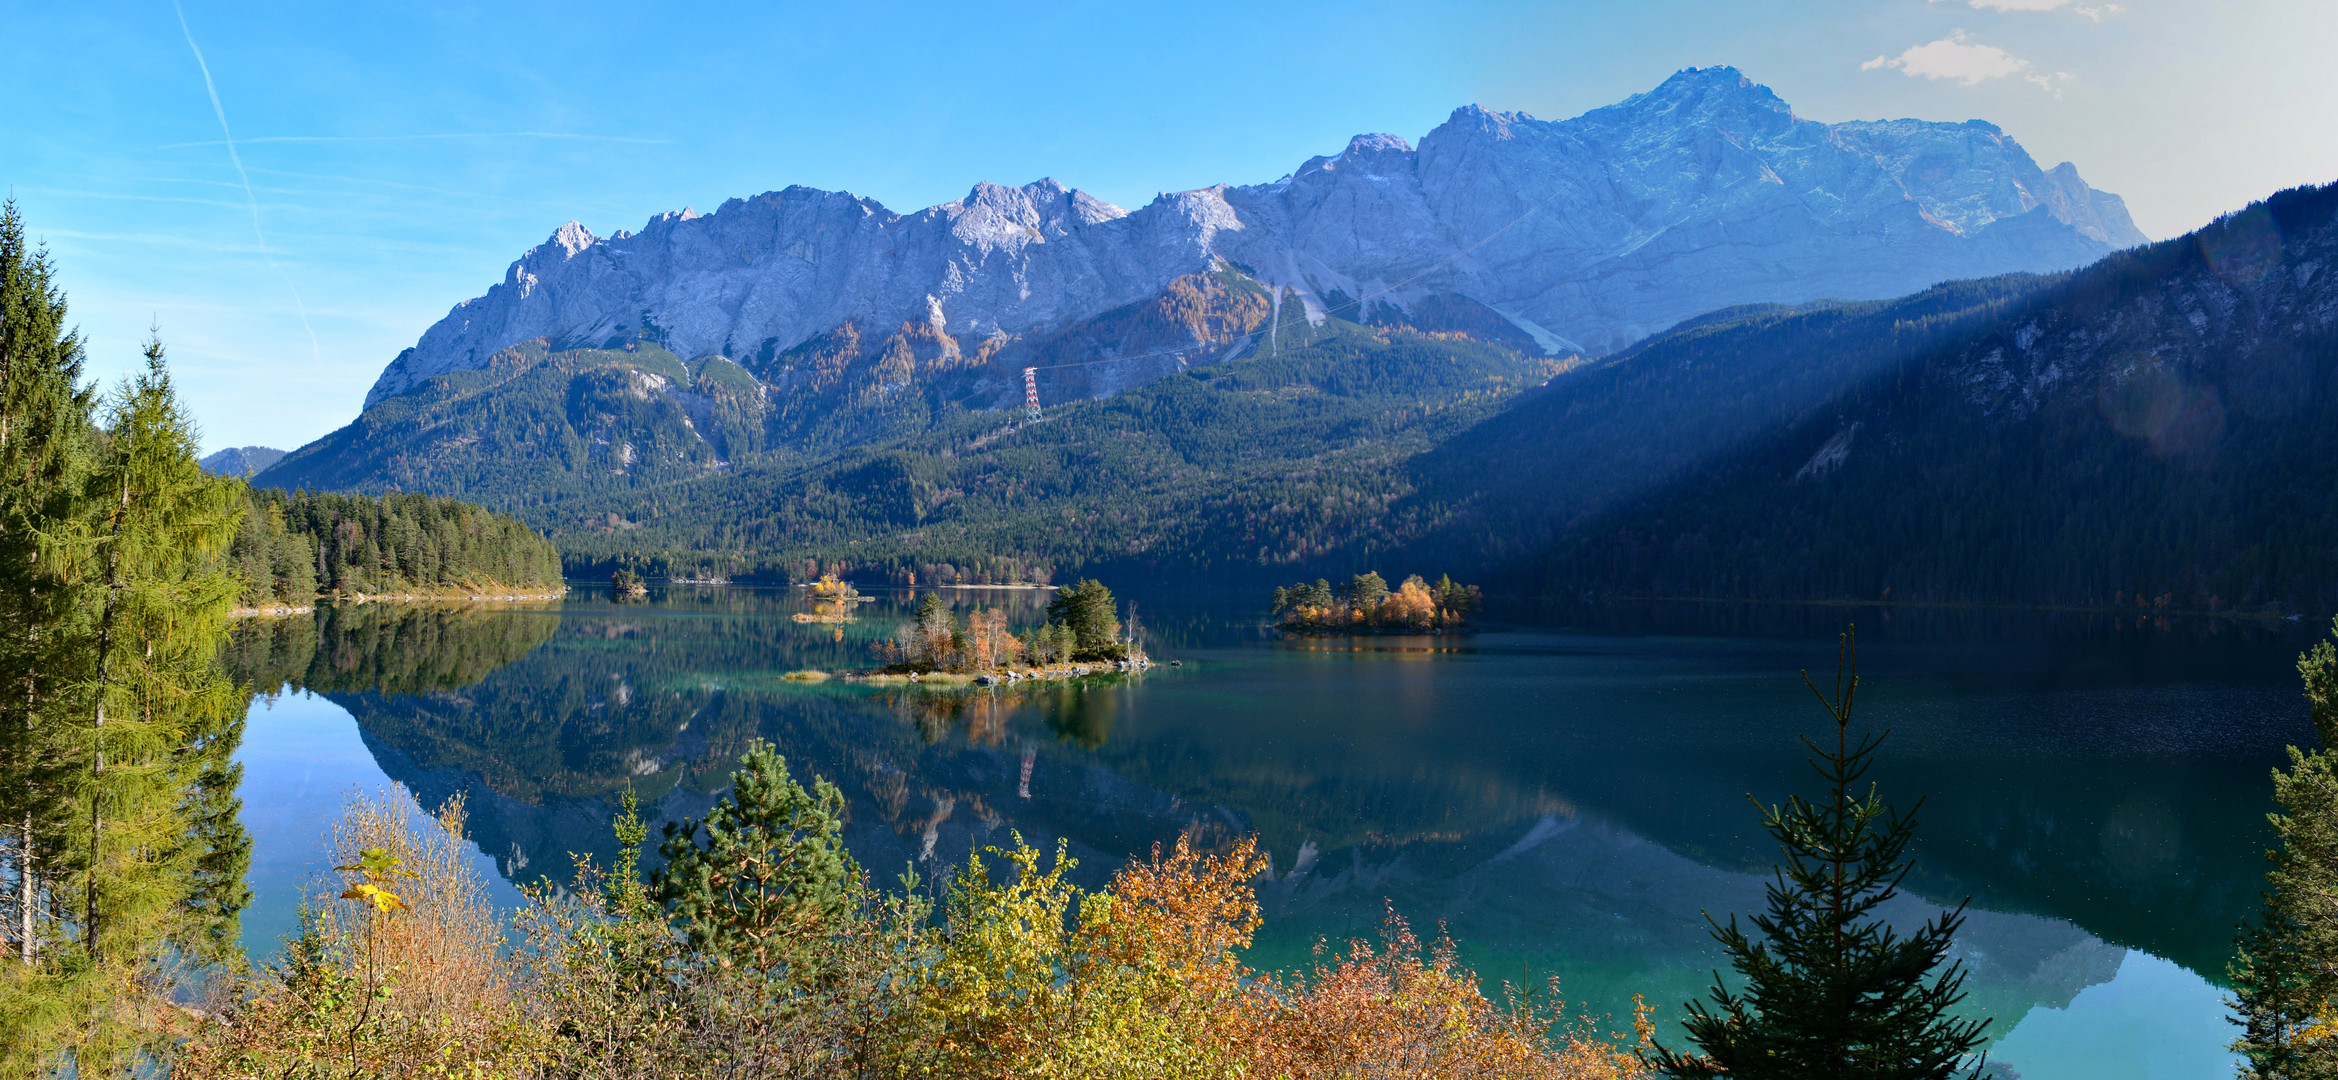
point(1566, 795)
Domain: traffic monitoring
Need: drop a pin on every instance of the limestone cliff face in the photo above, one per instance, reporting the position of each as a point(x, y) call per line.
point(1585, 234)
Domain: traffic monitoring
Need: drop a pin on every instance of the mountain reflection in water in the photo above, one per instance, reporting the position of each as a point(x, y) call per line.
point(1565, 803)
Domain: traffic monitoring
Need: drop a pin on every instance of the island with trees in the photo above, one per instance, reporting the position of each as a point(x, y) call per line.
point(1365, 604)
point(1083, 635)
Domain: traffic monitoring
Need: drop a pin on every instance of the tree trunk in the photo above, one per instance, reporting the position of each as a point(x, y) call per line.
point(26, 892)
point(105, 656)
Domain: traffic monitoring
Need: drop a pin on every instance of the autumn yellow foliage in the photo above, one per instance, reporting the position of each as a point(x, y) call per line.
point(1022, 975)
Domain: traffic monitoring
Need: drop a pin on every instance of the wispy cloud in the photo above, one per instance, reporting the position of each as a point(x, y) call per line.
point(227, 139)
point(370, 180)
point(146, 240)
point(2097, 12)
point(412, 138)
point(1959, 57)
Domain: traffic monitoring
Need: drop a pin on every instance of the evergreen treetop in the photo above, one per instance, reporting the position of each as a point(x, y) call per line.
point(2285, 973)
point(773, 871)
point(1089, 610)
point(1831, 991)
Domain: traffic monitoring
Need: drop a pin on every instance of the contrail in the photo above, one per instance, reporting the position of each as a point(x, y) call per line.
point(250, 200)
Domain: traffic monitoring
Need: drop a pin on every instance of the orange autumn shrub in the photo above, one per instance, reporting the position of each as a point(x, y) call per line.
point(1398, 1011)
point(1411, 605)
point(1164, 941)
point(400, 973)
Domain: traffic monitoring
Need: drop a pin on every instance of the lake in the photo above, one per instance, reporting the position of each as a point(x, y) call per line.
point(1566, 793)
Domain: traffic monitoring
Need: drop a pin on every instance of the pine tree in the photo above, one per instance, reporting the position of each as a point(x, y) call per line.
point(1093, 617)
point(773, 871)
point(1831, 992)
point(2285, 978)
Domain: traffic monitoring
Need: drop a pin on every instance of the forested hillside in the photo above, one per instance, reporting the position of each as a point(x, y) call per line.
point(1280, 457)
point(545, 421)
point(1697, 395)
point(1275, 438)
point(2157, 431)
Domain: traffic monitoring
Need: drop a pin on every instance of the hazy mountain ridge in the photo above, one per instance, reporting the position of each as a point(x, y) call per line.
point(242, 460)
point(1586, 233)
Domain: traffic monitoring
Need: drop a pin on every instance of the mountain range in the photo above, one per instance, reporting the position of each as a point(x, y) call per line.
point(1575, 236)
point(1399, 358)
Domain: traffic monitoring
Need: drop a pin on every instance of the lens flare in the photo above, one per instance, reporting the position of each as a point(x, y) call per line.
point(2150, 402)
point(2243, 248)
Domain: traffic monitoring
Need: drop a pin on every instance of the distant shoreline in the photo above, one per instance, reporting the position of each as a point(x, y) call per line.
point(277, 611)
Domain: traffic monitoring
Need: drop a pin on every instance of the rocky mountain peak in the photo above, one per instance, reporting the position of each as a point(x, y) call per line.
point(1363, 147)
point(1705, 96)
point(1370, 155)
point(1480, 120)
point(992, 215)
point(570, 239)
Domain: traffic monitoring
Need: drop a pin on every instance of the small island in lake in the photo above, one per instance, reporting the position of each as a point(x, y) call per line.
point(1365, 604)
point(1083, 635)
point(832, 601)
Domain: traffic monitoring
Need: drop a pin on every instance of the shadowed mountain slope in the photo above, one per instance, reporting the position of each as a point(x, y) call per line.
point(2157, 431)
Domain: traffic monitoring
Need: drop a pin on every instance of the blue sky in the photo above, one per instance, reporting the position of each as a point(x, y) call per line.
point(396, 157)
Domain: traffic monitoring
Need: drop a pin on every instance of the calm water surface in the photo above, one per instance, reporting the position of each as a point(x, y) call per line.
point(1567, 795)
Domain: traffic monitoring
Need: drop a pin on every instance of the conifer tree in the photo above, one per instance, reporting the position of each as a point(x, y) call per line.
point(936, 632)
point(1831, 992)
point(44, 443)
point(119, 842)
point(44, 447)
point(772, 873)
point(2285, 978)
point(1093, 617)
point(1365, 591)
point(160, 716)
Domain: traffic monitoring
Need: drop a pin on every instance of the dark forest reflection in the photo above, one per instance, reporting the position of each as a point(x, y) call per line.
point(1569, 802)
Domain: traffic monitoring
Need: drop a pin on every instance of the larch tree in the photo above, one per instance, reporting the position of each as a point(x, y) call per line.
point(156, 859)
